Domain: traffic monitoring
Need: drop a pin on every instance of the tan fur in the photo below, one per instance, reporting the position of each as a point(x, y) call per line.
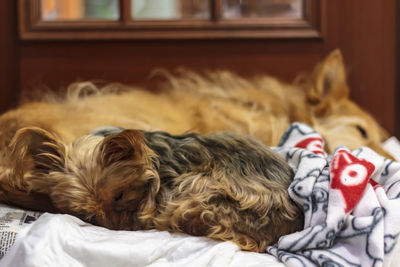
point(262, 107)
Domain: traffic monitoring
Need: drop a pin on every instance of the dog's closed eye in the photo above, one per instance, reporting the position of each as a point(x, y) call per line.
point(119, 196)
point(362, 131)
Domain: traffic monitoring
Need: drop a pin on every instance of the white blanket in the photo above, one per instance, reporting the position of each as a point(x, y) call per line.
point(63, 240)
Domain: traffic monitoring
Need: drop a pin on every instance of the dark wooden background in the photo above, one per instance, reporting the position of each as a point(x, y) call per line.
point(365, 31)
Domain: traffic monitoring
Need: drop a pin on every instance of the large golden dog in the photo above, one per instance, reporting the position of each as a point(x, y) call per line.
point(262, 107)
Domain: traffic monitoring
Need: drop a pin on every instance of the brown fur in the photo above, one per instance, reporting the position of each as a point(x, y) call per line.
point(223, 186)
point(262, 107)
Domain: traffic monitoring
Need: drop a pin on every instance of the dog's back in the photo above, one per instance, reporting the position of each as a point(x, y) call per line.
point(224, 186)
point(235, 154)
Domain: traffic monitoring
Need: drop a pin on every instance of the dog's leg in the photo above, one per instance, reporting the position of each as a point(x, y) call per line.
point(24, 177)
point(17, 191)
point(27, 200)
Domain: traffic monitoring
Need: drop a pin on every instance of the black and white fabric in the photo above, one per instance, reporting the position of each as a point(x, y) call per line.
point(350, 200)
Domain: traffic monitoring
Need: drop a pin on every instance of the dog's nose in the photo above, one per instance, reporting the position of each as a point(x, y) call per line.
point(108, 218)
point(104, 221)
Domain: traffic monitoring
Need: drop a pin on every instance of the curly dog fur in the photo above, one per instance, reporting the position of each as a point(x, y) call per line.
point(222, 185)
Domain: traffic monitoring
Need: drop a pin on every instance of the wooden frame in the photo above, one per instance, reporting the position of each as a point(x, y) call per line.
point(31, 27)
point(9, 56)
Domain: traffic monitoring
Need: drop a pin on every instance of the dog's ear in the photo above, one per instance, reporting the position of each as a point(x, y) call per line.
point(36, 149)
point(328, 82)
point(127, 145)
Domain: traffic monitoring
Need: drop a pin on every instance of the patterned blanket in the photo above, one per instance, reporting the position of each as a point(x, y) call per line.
point(351, 203)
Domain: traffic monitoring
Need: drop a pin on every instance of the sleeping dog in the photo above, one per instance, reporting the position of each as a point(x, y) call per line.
point(262, 107)
point(222, 185)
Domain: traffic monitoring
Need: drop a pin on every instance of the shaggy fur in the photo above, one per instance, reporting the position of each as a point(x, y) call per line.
point(218, 101)
point(221, 185)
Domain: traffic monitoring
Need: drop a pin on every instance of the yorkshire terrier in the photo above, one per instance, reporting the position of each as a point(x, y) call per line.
point(224, 186)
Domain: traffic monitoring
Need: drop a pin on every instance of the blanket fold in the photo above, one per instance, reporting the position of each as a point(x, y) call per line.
point(351, 203)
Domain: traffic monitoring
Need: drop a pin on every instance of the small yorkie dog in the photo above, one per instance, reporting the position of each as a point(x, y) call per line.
point(223, 186)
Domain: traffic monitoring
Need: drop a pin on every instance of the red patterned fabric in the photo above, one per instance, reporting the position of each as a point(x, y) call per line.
point(350, 176)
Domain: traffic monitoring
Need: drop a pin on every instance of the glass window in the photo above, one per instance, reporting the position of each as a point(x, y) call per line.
point(80, 9)
point(170, 19)
point(233, 9)
point(170, 9)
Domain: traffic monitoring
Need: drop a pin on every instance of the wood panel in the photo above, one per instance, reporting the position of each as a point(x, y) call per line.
point(397, 71)
point(9, 85)
point(365, 31)
point(132, 62)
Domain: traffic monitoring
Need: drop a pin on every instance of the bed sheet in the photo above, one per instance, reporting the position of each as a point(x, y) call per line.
point(64, 240)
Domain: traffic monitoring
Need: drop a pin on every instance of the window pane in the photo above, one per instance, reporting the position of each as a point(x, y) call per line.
point(170, 9)
point(80, 9)
point(262, 8)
